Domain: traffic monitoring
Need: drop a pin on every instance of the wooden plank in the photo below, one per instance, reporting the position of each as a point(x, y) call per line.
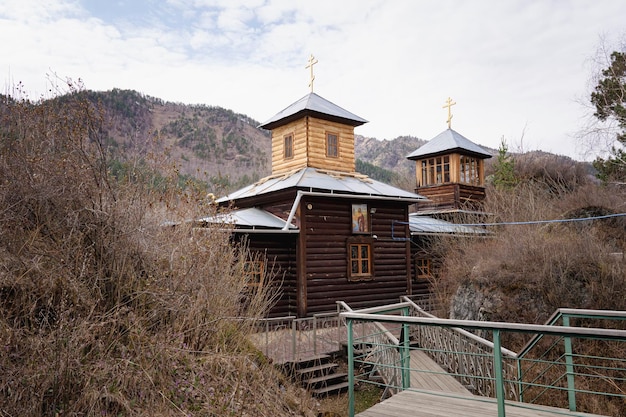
point(432, 404)
point(430, 376)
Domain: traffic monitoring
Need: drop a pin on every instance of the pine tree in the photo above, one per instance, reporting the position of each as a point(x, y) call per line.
point(504, 168)
point(609, 98)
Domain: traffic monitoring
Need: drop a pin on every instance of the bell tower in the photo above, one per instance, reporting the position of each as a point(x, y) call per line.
point(450, 171)
point(313, 133)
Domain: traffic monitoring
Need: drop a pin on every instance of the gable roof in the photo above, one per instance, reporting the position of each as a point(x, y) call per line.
point(312, 179)
point(447, 141)
point(313, 105)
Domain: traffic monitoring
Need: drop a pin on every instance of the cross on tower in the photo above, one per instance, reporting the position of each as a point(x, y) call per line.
point(312, 61)
point(449, 104)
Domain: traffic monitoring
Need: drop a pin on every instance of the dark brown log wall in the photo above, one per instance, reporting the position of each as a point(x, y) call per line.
point(327, 229)
point(279, 250)
point(451, 196)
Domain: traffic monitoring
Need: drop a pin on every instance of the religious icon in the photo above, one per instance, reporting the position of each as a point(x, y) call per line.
point(360, 222)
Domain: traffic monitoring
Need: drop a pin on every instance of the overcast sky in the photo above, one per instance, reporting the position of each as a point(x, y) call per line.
point(516, 69)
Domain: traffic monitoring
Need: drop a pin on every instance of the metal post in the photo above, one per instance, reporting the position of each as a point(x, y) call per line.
point(293, 340)
point(350, 368)
point(520, 377)
point(569, 368)
point(267, 338)
point(497, 369)
point(314, 335)
point(406, 354)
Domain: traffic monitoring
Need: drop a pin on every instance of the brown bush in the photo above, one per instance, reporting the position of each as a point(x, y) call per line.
point(524, 272)
point(103, 309)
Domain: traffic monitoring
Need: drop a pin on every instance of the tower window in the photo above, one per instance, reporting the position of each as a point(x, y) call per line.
point(470, 170)
point(436, 170)
point(332, 145)
point(288, 147)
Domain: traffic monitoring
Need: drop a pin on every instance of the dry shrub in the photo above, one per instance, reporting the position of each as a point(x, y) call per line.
point(524, 272)
point(103, 309)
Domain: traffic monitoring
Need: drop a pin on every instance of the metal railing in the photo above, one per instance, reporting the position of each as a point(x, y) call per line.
point(553, 368)
point(499, 378)
point(289, 338)
point(464, 355)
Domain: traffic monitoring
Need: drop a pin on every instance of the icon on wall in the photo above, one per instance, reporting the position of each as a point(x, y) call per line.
point(360, 223)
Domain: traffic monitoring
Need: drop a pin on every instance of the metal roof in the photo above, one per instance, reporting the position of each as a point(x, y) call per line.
point(425, 225)
point(249, 217)
point(315, 105)
point(322, 180)
point(446, 141)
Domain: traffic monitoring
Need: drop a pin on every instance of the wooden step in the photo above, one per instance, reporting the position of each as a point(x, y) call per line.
point(325, 380)
point(317, 370)
point(330, 389)
point(291, 367)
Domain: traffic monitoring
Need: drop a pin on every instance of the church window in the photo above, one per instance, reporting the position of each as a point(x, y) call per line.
point(254, 272)
point(360, 259)
point(436, 170)
point(332, 145)
point(422, 268)
point(470, 170)
point(288, 147)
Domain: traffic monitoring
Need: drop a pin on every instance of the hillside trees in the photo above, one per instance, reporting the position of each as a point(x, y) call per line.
point(609, 99)
point(103, 309)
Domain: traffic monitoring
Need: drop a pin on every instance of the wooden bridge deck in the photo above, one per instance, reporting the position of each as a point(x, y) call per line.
point(437, 404)
point(432, 377)
point(441, 395)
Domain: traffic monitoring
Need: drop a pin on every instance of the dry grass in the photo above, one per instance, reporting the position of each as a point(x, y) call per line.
point(103, 310)
point(523, 273)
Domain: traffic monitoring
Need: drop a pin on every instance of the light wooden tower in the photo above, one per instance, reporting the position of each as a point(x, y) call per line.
point(450, 171)
point(313, 133)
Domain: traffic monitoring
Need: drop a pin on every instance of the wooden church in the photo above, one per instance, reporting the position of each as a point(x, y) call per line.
point(327, 232)
point(320, 232)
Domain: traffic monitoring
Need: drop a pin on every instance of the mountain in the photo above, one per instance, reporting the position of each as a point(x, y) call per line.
point(209, 143)
point(227, 150)
point(219, 146)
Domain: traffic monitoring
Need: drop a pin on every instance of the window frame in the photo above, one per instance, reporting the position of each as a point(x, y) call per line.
point(423, 268)
point(254, 268)
point(436, 170)
point(330, 146)
point(469, 170)
point(360, 242)
point(288, 146)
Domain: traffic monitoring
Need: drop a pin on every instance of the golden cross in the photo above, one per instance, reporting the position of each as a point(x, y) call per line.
point(449, 104)
point(312, 61)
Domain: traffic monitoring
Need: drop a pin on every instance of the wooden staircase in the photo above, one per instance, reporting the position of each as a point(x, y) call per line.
point(319, 374)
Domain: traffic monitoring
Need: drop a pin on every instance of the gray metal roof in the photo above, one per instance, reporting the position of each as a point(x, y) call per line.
point(447, 141)
point(249, 217)
point(322, 180)
point(425, 225)
point(314, 105)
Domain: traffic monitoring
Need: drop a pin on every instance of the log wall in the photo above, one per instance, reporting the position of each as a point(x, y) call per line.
point(327, 229)
point(279, 251)
point(309, 146)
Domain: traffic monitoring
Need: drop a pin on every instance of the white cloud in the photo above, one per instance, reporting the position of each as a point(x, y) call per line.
point(513, 67)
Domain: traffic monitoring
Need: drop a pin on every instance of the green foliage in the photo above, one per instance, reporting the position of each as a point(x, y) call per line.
point(609, 99)
point(374, 172)
point(504, 168)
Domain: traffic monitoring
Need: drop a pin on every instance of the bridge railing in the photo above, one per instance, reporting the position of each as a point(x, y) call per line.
point(290, 338)
point(556, 369)
point(464, 355)
point(498, 377)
